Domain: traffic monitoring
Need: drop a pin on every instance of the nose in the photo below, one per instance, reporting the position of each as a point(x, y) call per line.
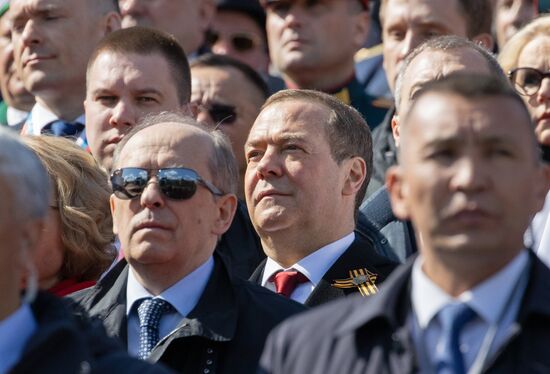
point(469, 175)
point(152, 196)
point(130, 7)
point(294, 17)
point(123, 115)
point(269, 166)
point(204, 117)
point(410, 42)
point(543, 94)
point(30, 34)
point(222, 47)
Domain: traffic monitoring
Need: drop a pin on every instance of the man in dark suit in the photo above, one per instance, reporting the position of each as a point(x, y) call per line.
point(474, 299)
point(172, 299)
point(309, 159)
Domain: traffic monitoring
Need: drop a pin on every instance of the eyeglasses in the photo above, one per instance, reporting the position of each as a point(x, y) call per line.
point(174, 183)
point(527, 81)
point(220, 113)
point(241, 42)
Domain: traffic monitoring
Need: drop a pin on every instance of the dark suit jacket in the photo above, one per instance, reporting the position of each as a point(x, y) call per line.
point(359, 255)
point(224, 333)
point(376, 219)
point(370, 335)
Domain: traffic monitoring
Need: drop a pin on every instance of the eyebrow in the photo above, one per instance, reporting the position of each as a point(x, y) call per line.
point(283, 138)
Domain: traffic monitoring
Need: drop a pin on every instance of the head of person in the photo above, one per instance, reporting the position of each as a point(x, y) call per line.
point(13, 91)
point(510, 16)
point(77, 238)
point(526, 58)
point(435, 59)
point(307, 154)
point(229, 95)
point(408, 23)
point(470, 177)
point(174, 189)
point(131, 73)
point(312, 41)
point(53, 39)
point(24, 190)
point(238, 31)
point(186, 20)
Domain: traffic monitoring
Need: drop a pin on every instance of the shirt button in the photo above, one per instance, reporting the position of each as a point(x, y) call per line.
point(208, 362)
point(206, 371)
point(210, 351)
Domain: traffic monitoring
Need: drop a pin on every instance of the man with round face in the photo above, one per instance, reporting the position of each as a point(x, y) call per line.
point(171, 204)
point(186, 20)
point(229, 95)
point(53, 40)
point(313, 43)
point(308, 161)
point(17, 101)
point(470, 180)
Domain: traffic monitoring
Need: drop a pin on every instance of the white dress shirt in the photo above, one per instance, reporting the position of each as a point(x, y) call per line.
point(15, 116)
point(183, 296)
point(41, 116)
point(15, 331)
point(493, 300)
point(313, 267)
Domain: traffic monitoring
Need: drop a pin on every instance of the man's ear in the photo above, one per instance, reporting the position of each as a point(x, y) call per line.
point(207, 12)
point(113, 204)
point(485, 40)
point(357, 172)
point(227, 205)
point(398, 192)
point(395, 129)
point(111, 22)
point(191, 109)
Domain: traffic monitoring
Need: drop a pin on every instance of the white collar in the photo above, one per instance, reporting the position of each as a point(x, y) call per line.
point(315, 265)
point(183, 295)
point(15, 116)
point(428, 299)
point(41, 116)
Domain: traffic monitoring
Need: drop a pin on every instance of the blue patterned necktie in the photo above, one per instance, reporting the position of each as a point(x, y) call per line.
point(453, 317)
point(150, 312)
point(62, 128)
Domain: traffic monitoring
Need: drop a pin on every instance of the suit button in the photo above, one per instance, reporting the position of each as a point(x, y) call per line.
point(206, 371)
point(209, 351)
point(208, 362)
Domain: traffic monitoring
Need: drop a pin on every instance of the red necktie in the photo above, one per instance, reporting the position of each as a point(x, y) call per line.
point(287, 281)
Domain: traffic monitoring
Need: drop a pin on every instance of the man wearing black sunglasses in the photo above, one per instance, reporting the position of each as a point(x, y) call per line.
point(173, 300)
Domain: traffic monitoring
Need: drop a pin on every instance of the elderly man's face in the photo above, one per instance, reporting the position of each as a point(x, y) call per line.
point(158, 233)
point(408, 23)
point(321, 34)
point(292, 180)
point(468, 178)
point(13, 90)
point(53, 40)
point(186, 20)
point(224, 96)
point(121, 90)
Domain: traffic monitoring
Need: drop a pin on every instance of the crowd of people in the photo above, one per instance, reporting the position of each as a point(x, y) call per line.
point(275, 186)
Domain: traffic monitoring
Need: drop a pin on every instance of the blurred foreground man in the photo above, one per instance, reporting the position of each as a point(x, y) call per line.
point(37, 331)
point(475, 300)
point(309, 161)
point(173, 300)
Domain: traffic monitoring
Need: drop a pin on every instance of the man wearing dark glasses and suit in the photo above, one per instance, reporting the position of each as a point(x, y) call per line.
point(173, 300)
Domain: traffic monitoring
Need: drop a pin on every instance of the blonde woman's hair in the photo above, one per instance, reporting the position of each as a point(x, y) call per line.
point(509, 56)
point(82, 197)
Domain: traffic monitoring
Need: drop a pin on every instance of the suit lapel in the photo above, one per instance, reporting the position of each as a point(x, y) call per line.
point(258, 274)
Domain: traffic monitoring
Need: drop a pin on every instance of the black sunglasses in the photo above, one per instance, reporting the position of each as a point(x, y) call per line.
point(527, 81)
point(221, 113)
point(174, 183)
point(241, 42)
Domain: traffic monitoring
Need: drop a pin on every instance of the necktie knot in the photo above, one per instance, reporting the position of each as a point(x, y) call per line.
point(453, 318)
point(287, 281)
point(63, 128)
point(150, 312)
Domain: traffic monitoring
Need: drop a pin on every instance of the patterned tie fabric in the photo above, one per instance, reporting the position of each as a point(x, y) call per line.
point(150, 312)
point(287, 281)
point(453, 318)
point(62, 128)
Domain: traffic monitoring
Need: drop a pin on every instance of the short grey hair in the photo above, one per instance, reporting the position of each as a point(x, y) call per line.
point(445, 43)
point(24, 176)
point(222, 162)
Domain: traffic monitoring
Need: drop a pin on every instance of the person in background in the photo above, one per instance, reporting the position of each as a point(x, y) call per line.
point(510, 16)
point(526, 59)
point(17, 102)
point(77, 241)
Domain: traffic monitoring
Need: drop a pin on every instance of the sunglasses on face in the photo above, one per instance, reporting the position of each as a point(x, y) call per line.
point(221, 113)
point(174, 183)
point(527, 81)
point(240, 42)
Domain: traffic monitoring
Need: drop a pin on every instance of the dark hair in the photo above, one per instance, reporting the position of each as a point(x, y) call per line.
point(478, 15)
point(146, 41)
point(222, 61)
point(346, 131)
point(446, 43)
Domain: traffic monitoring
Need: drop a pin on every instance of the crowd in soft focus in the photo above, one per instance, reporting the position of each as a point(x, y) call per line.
point(275, 186)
